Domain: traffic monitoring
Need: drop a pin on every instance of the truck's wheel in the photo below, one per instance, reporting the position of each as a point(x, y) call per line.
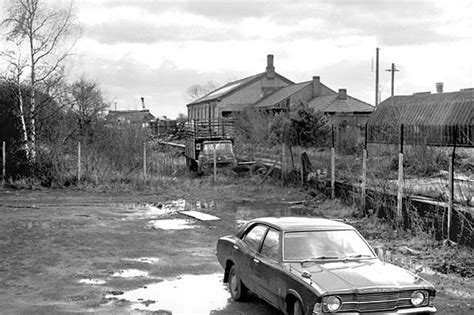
point(238, 290)
point(258, 169)
point(191, 165)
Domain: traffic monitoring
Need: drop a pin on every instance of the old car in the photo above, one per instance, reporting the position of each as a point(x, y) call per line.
point(317, 266)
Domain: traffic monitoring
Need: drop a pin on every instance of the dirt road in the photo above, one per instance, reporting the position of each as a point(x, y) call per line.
point(71, 251)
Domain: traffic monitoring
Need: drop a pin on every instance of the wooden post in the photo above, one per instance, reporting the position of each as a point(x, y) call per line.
point(451, 184)
point(4, 158)
point(302, 170)
point(78, 161)
point(400, 178)
point(283, 162)
point(215, 163)
point(364, 181)
point(144, 161)
point(333, 166)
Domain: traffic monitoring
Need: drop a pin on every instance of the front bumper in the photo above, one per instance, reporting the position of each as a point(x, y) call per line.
point(418, 310)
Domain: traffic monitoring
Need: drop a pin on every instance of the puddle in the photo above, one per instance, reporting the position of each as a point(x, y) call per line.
point(201, 293)
point(171, 224)
point(146, 260)
point(130, 273)
point(92, 281)
point(156, 210)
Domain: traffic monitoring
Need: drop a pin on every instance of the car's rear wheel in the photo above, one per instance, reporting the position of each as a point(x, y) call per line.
point(238, 290)
point(297, 308)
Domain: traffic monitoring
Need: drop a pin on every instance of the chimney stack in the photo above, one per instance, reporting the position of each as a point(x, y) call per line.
point(143, 102)
point(342, 95)
point(316, 86)
point(270, 67)
point(439, 87)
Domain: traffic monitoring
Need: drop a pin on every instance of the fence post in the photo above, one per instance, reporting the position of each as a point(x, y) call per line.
point(78, 162)
point(364, 180)
point(364, 174)
point(400, 178)
point(215, 163)
point(333, 165)
point(4, 157)
point(144, 161)
point(451, 184)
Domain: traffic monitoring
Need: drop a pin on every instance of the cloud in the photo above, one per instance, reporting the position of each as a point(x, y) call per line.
point(126, 31)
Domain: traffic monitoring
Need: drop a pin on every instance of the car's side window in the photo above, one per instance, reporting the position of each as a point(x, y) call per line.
point(271, 245)
point(254, 236)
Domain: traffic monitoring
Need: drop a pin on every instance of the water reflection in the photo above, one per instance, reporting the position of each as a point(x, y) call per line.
point(187, 294)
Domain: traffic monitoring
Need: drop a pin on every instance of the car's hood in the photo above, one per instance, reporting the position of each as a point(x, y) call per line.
point(358, 276)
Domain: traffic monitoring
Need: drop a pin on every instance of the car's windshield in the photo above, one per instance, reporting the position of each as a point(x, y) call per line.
point(320, 245)
point(221, 148)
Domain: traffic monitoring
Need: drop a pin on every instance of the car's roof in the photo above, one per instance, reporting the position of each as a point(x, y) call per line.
point(303, 223)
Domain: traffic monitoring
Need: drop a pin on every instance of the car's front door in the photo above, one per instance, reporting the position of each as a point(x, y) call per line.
point(250, 245)
point(267, 268)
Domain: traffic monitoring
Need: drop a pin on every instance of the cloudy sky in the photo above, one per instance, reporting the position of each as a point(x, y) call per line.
point(157, 49)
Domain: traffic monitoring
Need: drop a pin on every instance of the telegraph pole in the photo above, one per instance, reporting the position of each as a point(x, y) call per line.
point(393, 70)
point(377, 76)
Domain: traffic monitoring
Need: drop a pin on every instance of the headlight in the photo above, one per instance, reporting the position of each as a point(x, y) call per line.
point(332, 303)
point(417, 298)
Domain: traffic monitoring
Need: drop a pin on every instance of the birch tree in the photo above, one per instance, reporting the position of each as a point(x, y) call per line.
point(43, 33)
point(15, 68)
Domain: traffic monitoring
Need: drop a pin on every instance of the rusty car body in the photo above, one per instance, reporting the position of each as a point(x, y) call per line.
point(317, 266)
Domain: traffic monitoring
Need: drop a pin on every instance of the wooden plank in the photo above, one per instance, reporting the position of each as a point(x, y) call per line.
point(199, 215)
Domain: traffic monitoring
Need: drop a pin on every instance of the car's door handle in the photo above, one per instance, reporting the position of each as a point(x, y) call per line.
point(255, 260)
point(236, 247)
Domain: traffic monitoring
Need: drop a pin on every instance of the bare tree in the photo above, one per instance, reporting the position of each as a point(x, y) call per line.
point(15, 67)
point(42, 31)
point(87, 103)
point(196, 91)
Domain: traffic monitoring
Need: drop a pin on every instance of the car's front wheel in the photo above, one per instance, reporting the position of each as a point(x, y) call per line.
point(297, 308)
point(238, 290)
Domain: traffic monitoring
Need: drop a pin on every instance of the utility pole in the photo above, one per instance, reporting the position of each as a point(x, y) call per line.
point(393, 70)
point(377, 76)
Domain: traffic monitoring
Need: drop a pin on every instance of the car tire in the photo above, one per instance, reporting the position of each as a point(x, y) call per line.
point(297, 308)
point(238, 290)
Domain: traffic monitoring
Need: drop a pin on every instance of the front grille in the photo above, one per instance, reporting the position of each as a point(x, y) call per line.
point(375, 302)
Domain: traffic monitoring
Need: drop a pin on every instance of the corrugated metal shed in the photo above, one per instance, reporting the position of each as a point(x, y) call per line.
point(433, 119)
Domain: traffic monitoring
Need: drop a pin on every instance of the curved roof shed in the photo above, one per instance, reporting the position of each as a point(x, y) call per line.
point(442, 119)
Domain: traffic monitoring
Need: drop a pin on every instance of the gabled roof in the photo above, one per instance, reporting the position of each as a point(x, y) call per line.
point(281, 94)
point(232, 87)
point(334, 104)
point(425, 109)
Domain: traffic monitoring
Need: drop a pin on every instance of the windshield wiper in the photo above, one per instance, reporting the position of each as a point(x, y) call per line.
point(358, 256)
point(314, 259)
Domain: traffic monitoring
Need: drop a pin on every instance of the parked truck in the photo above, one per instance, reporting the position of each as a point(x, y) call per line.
point(209, 142)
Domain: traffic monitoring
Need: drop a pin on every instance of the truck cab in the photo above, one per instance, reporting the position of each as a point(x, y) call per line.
point(206, 139)
point(224, 154)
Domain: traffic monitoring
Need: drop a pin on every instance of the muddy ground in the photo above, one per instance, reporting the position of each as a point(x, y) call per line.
point(91, 251)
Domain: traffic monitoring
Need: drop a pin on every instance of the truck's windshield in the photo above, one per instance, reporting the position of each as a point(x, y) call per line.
point(221, 148)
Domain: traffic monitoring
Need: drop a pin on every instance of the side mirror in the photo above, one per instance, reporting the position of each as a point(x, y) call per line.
point(306, 275)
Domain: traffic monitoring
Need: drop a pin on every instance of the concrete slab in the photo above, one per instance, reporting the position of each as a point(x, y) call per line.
point(199, 215)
